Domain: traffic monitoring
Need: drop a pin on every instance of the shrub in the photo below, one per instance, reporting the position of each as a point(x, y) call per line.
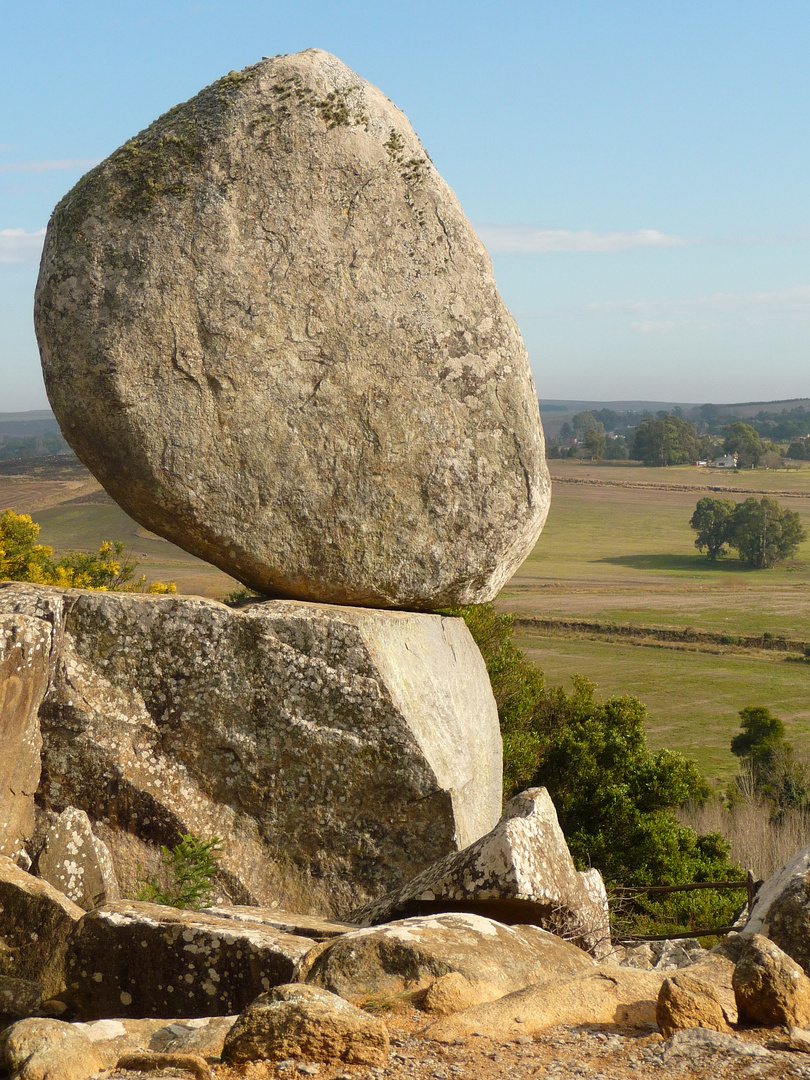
point(190, 867)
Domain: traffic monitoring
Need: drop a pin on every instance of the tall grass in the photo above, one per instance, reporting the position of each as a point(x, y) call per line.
point(758, 843)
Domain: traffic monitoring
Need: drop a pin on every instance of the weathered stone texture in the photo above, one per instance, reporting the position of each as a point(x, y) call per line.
point(137, 959)
point(520, 872)
point(357, 743)
point(411, 954)
point(781, 911)
point(24, 664)
point(268, 329)
point(76, 862)
point(700, 996)
point(36, 921)
point(770, 987)
point(298, 1021)
point(46, 1049)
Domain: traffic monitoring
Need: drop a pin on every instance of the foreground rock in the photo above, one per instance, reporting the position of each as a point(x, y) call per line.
point(322, 393)
point(47, 1050)
point(781, 910)
point(24, 665)
point(770, 987)
point(36, 921)
point(607, 994)
point(520, 872)
point(135, 959)
point(409, 956)
point(698, 997)
point(306, 1022)
point(359, 743)
point(76, 862)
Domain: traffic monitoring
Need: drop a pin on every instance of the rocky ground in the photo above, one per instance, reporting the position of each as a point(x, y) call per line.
point(563, 1053)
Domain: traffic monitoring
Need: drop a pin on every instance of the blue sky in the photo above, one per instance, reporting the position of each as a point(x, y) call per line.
point(638, 169)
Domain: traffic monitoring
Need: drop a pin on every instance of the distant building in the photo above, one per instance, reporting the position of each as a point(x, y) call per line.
point(727, 461)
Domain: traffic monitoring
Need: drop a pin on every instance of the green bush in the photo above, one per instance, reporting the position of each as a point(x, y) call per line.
point(189, 867)
point(615, 798)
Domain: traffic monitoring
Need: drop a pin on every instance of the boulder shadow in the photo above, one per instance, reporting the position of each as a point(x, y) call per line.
point(692, 563)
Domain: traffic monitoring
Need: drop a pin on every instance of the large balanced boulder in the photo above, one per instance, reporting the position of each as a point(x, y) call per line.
point(520, 872)
point(268, 329)
point(357, 744)
point(781, 911)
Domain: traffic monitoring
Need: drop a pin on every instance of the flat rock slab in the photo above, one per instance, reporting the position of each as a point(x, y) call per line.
point(309, 926)
point(520, 872)
point(134, 959)
point(268, 329)
point(360, 743)
point(408, 956)
point(607, 994)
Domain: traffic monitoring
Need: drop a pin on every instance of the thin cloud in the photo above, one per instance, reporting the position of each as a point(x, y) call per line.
point(527, 240)
point(18, 246)
point(8, 167)
point(794, 301)
point(650, 326)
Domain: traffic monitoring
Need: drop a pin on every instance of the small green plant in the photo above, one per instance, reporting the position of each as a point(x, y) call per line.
point(190, 867)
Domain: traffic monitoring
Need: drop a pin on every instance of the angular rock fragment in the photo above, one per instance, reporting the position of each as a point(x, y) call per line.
point(307, 1022)
point(76, 862)
point(137, 959)
point(520, 872)
point(359, 743)
point(24, 664)
point(36, 921)
point(770, 987)
point(408, 956)
point(268, 329)
point(700, 996)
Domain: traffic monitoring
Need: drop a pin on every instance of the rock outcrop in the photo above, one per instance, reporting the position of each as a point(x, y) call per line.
point(24, 665)
point(520, 872)
point(36, 921)
point(268, 329)
point(137, 959)
point(781, 910)
point(356, 744)
point(409, 955)
point(298, 1021)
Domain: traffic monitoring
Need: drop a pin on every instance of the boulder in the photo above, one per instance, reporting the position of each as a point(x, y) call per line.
point(605, 994)
point(408, 956)
point(76, 862)
point(24, 664)
point(770, 987)
point(19, 998)
point(36, 921)
point(48, 1050)
point(700, 996)
point(359, 743)
point(133, 959)
point(781, 910)
point(119, 1038)
point(298, 1021)
point(520, 872)
point(268, 329)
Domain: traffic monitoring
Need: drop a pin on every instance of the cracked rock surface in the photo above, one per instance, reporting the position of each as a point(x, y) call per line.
point(269, 330)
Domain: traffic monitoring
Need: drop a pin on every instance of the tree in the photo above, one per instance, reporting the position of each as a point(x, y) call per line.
point(594, 442)
point(665, 441)
point(764, 533)
point(742, 440)
point(23, 559)
point(712, 521)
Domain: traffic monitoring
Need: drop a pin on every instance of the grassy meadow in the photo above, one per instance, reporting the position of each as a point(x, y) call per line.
point(617, 548)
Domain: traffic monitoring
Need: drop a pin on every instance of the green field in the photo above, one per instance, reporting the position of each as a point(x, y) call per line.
point(617, 548)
